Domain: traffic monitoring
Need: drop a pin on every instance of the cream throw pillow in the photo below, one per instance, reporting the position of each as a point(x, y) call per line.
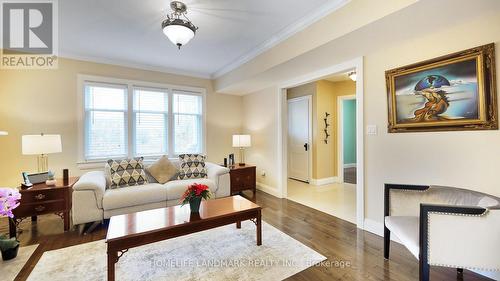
point(162, 170)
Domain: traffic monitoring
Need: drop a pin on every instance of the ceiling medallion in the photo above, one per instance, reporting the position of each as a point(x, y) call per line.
point(177, 27)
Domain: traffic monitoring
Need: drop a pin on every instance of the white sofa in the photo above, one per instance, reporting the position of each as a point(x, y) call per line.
point(93, 202)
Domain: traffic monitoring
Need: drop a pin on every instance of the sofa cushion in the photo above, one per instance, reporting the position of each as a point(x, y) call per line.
point(162, 170)
point(176, 188)
point(192, 166)
point(405, 228)
point(126, 172)
point(134, 195)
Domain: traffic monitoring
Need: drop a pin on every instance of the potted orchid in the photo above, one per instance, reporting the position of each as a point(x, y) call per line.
point(193, 195)
point(9, 200)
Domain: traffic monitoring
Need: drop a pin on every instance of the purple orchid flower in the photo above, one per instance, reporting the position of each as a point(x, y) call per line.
point(9, 200)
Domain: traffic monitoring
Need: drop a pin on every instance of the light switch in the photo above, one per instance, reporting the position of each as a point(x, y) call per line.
point(371, 130)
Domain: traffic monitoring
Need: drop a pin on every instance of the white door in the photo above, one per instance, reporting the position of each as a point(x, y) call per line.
point(299, 135)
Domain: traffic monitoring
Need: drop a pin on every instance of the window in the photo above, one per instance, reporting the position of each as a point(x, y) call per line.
point(150, 122)
point(187, 123)
point(123, 119)
point(105, 121)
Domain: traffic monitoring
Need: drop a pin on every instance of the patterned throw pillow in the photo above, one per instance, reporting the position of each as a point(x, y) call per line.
point(127, 172)
point(192, 166)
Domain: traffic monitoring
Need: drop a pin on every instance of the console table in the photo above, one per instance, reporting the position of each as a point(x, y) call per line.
point(41, 199)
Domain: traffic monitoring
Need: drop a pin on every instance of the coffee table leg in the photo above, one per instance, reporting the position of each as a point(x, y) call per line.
point(112, 258)
point(238, 224)
point(259, 228)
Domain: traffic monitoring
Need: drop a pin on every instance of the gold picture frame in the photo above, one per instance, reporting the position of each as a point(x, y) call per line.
point(455, 92)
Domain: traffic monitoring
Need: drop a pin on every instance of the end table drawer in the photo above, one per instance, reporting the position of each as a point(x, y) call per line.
point(42, 196)
point(27, 210)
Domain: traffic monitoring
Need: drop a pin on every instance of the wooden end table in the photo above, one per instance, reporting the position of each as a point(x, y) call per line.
point(141, 228)
point(41, 199)
point(243, 178)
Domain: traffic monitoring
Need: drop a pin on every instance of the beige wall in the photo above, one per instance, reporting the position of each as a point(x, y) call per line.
point(467, 159)
point(259, 120)
point(328, 93)
point(37, 101)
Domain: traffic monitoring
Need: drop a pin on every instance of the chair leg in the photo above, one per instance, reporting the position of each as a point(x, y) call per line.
point(387, 242)
point(424, 271)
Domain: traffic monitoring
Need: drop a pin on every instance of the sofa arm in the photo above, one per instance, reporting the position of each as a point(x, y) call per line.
point(475, 234)
point(220, 175)
point(92, 181)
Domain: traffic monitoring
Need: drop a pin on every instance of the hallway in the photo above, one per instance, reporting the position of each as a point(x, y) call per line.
point(336, 199)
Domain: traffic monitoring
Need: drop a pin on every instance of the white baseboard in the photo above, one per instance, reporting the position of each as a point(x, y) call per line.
point(324, 181)
point(350, 165)
point(268, 189)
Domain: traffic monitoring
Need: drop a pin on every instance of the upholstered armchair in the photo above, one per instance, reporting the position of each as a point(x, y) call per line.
point(444, 226)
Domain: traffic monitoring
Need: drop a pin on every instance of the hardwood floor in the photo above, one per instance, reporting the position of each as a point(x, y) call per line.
point(353, 254)
point(350, 175)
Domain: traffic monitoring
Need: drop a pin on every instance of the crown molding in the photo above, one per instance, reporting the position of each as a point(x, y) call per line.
point(282, 35)
point(140, 66)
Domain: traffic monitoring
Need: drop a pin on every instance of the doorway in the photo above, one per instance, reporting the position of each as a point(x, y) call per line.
point(354, 65)
point(347, 139)
point(299, 138)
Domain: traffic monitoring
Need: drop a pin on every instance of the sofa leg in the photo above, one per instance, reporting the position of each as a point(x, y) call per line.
point(424, 271)
point(387, 242)
point(460, 271)
point(81, 228)
point(92, 227)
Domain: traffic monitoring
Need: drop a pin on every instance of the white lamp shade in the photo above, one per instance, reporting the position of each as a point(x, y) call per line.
point(41, 144)
point(3, 133)
point(242, 141)
point(178, 34)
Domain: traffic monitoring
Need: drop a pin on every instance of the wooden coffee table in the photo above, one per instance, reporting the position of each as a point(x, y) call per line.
point(141, 228)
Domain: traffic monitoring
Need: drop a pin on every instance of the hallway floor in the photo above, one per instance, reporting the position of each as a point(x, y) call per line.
point(337, 199)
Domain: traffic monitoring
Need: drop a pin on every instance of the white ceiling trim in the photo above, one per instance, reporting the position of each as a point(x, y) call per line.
point(162, 69)
point(282, 36)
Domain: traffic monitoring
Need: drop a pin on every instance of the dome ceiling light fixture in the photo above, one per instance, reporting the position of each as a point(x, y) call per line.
point(177, 27)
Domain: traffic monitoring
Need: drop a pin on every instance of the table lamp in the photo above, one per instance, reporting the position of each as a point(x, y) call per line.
point(41, 145)
point(242, 141)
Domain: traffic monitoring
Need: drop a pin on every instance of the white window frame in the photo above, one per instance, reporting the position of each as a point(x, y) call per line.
point(131, 84)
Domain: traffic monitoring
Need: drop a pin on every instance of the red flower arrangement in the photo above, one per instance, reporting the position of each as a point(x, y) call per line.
point(195, 192)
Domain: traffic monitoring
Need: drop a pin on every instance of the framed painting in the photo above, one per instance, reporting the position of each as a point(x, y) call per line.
point(453, 92)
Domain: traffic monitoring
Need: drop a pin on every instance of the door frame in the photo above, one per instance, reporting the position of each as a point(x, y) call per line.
point(340, 133)
point(282, 115)
point(309, 134)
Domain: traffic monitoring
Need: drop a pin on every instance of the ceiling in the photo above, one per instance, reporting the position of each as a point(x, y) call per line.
point(231, 32)
point(338, 77)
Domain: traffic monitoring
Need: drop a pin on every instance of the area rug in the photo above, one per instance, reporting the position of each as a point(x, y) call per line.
point(10, 269)
point(224, 253)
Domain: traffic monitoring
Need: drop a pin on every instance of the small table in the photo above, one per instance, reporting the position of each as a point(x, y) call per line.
point(141, 228)
point(243, 178)
point(42, 199)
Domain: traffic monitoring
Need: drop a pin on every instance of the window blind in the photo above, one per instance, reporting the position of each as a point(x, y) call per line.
point(106, 121)
point(150, 121)
point(188, 120)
